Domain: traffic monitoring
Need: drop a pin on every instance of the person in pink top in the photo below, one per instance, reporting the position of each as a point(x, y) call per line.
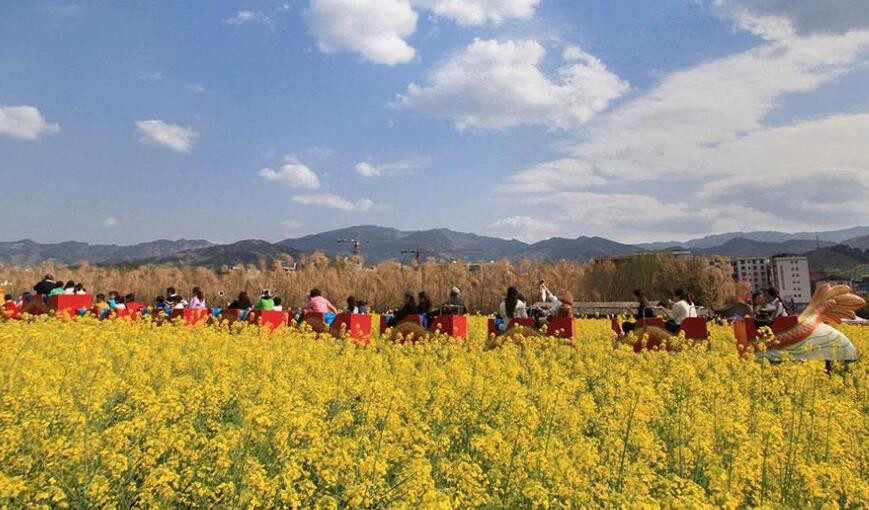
point(318, 304)
point(198, 299)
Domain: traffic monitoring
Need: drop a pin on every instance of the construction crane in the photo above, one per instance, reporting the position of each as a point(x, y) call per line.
point(418, 252)
point(357, 244)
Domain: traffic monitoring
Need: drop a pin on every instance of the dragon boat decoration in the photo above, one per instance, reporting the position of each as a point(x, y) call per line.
point(809, 336)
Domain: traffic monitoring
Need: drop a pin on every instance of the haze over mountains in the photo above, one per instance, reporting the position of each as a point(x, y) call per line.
point(382, 243)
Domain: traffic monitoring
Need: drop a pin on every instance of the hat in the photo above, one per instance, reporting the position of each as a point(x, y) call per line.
point(456, 291)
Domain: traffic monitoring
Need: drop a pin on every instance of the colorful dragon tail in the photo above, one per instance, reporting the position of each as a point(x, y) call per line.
point(832, 304)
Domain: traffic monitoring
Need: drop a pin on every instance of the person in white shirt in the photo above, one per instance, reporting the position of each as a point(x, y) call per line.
point(513, 307)
point(692, 307)
point(279, 307)
point(680, 311)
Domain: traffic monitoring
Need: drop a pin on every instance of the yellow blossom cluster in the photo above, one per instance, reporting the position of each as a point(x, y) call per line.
point(115, 415)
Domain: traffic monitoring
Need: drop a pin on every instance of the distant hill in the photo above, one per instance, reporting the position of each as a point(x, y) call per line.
point(741, 247)
point(249, 251)
point(861, 243)
point(839, 260)
point(380, 243)
point(767, 236)
point(27, 252)
point(383, 243)
point(581, 248)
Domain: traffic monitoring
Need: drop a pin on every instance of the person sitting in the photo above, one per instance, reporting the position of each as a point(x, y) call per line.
point(776, 301)
point(242, 302)
point(120, 303)
point(678, 313)
point(69, 288)
point(423, 305)
point(362, 307)
point(10, 309)
point(409, 308)
point(645, 310)
point(79, 289)
point(132, 304)
point(265, 301)
point(763, 311)
point(173, 299)
point(57, 290)
point(352, 305)
point(318, 304)
point(692, 307)
point(513, 307)
point(566, 308)
point(160, 304)
point(455, 305)
point(101, 305)
point(197, 301)
point(46, 285)
point(278, 307)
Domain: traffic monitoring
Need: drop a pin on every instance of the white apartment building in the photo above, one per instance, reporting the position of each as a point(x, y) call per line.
point(790, 275)
point(753, 270)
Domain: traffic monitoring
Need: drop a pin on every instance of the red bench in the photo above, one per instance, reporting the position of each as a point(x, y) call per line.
point(493, 330)
point(191, 316)
point(70, 304)
point(453, 325)
point(270, 318)
point(357, 326)
point(410, 318)
point(695, 328)
point(745, 329)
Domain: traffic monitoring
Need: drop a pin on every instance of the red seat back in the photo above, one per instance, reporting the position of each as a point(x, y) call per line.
point(70, 303)
point(695, 328)
point(783, 323)
point(651, 321)
point(271, 319)
point(561, 327)
point(616, 327)
point(453, 325)
point(357, 326)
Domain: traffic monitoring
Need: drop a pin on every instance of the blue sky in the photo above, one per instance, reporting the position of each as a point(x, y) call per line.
point(130, 121)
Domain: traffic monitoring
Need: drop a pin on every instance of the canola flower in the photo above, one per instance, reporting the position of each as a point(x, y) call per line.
point(122, 415)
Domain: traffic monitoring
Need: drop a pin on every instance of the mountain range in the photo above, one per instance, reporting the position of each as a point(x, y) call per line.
point(378, 244)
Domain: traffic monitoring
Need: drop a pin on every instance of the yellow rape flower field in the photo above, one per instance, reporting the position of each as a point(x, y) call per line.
point(112, 414)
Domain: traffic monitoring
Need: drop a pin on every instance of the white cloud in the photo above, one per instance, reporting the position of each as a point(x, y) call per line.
point(196, 88)
point(776, 19)
point(366, 169)
point(152, 76)
point(334, 201)
point(696, 153)
point(178, 138)
point(110, 222)
point(24, 122)
point(479, 12)
point(492, 85)
point(375, 29)
point(292, 225)
point(378, 29)
point(523, 228)
point(243, 17)
point(292, 173)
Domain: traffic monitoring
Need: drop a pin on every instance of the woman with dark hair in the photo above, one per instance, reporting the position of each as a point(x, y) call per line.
point(644, 310)
point(352, 306)
point(242, 302)
point(69, 288)
point(775, 301)
point(513, 307)
point(79, 289)
point(409, 308)
point(423, 303)
point(198, 299)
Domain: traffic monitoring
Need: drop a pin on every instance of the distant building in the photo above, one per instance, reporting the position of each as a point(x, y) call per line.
point(790, 275)
point(753, 270)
